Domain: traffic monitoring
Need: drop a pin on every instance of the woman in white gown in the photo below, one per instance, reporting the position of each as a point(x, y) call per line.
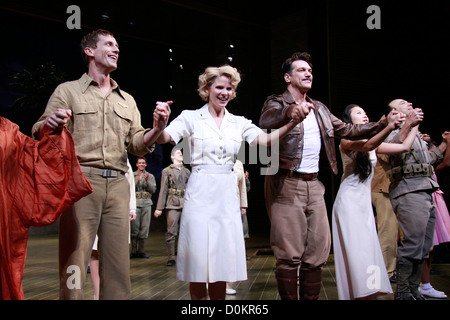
point(211, 245)
point(360, 268)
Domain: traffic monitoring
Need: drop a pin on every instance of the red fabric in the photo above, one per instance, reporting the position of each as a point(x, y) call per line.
point(39, 180)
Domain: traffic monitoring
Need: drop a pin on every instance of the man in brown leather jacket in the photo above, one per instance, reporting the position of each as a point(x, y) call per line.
point(300, 232)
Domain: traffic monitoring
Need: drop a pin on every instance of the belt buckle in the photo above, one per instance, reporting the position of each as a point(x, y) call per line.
point(107, 173)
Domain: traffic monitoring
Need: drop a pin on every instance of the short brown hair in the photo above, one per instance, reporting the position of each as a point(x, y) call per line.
point(141, 158)
point(286, 67)
point(90, 41)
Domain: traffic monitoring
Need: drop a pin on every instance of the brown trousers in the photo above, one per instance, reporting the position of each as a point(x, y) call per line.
point(300, 233)
point(104, 212)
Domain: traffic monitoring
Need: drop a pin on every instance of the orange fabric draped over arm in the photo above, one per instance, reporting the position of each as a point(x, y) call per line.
point(39, 180)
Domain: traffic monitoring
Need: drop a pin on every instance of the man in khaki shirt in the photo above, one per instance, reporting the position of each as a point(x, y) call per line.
point(105, 123)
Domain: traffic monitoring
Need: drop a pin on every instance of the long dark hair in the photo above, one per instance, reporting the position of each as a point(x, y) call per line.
point(363, 166)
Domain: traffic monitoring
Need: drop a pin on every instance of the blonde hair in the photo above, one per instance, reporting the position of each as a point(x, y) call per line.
point(206, 79)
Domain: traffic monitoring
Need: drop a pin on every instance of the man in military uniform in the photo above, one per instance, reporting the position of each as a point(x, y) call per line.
point(145, 187)
point(411, 194)
point(171, 199)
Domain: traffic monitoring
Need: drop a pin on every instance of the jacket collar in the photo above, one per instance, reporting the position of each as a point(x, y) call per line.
point(287, 97)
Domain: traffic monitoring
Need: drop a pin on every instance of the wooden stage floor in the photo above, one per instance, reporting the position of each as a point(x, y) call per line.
point(151, 279)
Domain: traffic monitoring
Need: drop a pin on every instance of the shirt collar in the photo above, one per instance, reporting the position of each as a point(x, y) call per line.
point(86, 81)
point(204, 114)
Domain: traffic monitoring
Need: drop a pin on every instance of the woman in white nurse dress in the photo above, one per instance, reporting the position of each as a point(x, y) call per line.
point(211, 245)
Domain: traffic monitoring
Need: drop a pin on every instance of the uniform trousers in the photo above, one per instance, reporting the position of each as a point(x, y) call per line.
point(300, 231)
point(416, 215)
point(141, 225)
point(173, 226)
point(104, 212)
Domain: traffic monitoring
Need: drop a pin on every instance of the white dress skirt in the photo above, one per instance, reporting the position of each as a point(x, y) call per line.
point(359, 263)
point(211, 246)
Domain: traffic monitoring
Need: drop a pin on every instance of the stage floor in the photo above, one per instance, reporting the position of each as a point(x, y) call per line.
point(151, 279)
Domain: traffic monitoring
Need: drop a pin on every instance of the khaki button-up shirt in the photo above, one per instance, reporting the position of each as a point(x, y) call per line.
point(380, 181)
point(103, 127)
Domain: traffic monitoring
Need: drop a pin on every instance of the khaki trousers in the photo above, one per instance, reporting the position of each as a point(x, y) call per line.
point(387, 226)
point(300, 231)
point(173, 227)
point(104, 212)
point(140, 227)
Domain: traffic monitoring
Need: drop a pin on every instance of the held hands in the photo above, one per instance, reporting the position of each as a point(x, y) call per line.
point(426, 137)
point(298, 112)
point(415, 117)
point(161, 114)
point(157, 213)
point(58, 119)
point(395, 118)
point(446, 138)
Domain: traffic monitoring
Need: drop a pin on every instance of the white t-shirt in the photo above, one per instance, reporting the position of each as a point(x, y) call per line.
point(311, 145)
point(209, 144)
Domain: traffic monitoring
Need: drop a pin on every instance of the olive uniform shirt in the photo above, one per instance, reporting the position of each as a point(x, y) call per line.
point(174, 179)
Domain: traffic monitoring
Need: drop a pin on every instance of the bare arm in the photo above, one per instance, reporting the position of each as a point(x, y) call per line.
point(446, 161)
point(413, 119)
point(266, 139)
point(397, 148)
point(365, 145)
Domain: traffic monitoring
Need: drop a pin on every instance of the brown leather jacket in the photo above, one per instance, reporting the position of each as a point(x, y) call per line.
point(273, 116)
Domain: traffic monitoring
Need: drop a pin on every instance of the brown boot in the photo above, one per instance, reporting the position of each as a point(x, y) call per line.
point(287, 281)
point(310, 283)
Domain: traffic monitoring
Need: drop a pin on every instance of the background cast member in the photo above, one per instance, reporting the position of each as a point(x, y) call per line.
point(174, 179)
point(145, 185)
